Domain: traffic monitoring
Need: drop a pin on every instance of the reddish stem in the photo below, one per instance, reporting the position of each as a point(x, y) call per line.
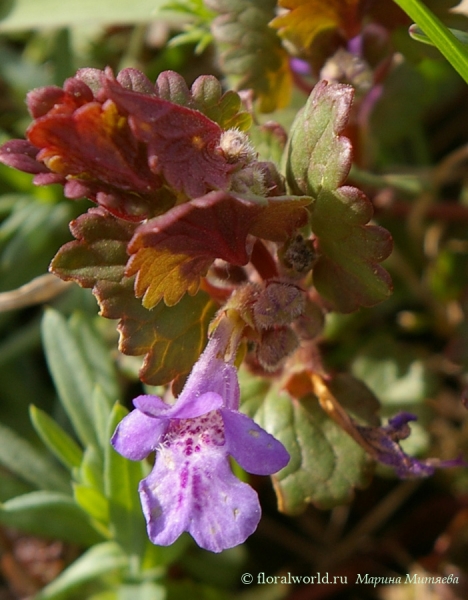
point(263, 261)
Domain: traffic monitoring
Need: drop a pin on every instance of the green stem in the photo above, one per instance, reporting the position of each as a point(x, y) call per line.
point(453, 50)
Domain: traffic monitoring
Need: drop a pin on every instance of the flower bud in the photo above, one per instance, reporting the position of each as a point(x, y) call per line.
point(276, 345)
point(278, 304)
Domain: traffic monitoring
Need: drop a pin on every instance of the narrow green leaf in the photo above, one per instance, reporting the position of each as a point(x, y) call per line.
point(102, 410)
point(28, 462)
point(92, 501)
point(72, 375)
point(452, 48)
point(55, 438)
point(96, 562)
point(51, 515)
point(98, 358)
point(91, 469)
point(121, 479)
point(418, 34)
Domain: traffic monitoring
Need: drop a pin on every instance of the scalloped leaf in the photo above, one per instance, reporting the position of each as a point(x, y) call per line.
point(251, 51)
point(205, 95)
point(307, 19)
point(224, 109)
point(170, 338)
point(326, 464)
point(99, 251)
point(170, 254)
point(181, 142)
point(318, 160)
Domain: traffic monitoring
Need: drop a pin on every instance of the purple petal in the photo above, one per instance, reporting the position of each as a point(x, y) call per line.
point(152, 406)
point(385, 448)
point(252, 447)
point(202, 497)
point(137, 435)
point(211, 374)
point(193, 405)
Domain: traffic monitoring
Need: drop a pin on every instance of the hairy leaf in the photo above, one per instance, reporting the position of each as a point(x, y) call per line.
point(99, 251)
point(181, 142)
point(306, 19)
point(251, 51)
point(171, 253)
point(318, 160)
point(326, 464)
point(171, 338)
point(206, 95)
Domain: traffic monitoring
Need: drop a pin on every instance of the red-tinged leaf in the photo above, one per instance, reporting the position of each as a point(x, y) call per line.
point(318, 159)
point(97, 155)
point(172, 252)
point(307, 19)
point(281, 218)
point(182, 143)
point(99, 251)
point(170, 338)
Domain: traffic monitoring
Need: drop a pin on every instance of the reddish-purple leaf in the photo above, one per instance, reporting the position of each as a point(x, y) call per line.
point(182, 143)
point(172, 252)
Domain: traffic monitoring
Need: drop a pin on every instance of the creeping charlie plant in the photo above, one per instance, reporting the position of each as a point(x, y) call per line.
point(229, 247)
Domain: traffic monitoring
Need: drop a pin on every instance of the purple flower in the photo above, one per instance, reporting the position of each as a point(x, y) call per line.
point(191, 487)
point(384, 444)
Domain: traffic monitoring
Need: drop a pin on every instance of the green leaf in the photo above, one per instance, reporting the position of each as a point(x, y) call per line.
point(251, 52)
point(98, 357)
point(102, 405)
point(326, 464)
point(224, 109)
point(92, 502)
point(99, 251)
point(51, 515)
point(318, 160)
point(55, 438)
point(91, 469)
point(96, 562)
point(28, 462)
point(418, 34)
point(77, 359)
point(448, 44)
point(121, 479)
point(171, 338)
